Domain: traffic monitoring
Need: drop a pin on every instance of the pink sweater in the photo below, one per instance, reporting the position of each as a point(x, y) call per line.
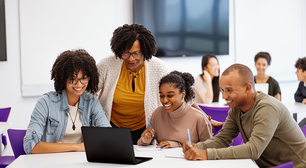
point(172, 127)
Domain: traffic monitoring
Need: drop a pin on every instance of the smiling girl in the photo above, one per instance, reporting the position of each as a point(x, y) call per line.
point(171, 120)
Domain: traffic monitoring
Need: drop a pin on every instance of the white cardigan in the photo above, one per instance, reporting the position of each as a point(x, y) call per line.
point(109, 69)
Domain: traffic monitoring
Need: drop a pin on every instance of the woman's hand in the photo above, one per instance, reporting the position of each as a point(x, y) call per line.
point(215, 123)
point(207, 78)
point(163, 144)
point(148, 134)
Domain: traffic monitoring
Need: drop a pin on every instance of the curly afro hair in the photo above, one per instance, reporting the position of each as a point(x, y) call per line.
point(125, 36)
point(182, 81)
point(301, 64)
point(68, 64)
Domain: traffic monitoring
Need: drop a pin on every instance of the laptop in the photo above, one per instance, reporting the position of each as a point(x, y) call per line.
point(110, 145)
point(264, 87)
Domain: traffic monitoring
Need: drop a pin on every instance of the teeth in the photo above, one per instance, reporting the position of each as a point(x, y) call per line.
point(167, 105)
point(228, 101)
point(78, 89)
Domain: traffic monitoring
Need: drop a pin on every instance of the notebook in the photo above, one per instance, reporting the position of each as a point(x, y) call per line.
point(110, 145)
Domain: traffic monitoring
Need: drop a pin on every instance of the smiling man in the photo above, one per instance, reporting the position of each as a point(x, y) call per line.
point(271, 135)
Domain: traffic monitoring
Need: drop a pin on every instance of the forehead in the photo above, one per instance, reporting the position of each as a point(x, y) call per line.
point(212, 60)
point(168, 87)
point(231, 80)
point(261, 60)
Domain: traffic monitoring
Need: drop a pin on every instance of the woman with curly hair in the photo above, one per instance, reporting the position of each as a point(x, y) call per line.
point(58, 116)
point(129, 79)
point(171, 120)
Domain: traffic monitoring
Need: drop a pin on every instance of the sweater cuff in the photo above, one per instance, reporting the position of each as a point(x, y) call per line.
point(211, 154)
point(201, 145)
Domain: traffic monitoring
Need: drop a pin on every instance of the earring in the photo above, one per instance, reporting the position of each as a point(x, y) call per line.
point(183, 100)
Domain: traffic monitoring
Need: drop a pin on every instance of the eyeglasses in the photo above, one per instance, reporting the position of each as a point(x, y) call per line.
point(74, 81)
point(127, 55)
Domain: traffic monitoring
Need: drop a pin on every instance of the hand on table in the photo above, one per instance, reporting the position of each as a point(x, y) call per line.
point(193, 153)
point(163, 144)
point(304, 101)
point(79, 147)
point(148, 134)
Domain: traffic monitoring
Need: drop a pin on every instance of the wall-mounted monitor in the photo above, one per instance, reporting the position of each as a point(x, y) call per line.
point(186, 27)
point(3, 56)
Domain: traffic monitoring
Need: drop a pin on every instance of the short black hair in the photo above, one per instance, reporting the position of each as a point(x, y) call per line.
point(264, 55)
point(69, 63)
point(244, 72)
point(215, 80)
point(301, 64)
point(182, 81)
point(125, 36)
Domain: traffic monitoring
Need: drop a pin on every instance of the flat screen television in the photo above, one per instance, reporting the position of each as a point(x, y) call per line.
point(186, 27)
point(2, 32)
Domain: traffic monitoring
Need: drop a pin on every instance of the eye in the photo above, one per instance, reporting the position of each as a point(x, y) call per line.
point(170, 96)
point(161, 96)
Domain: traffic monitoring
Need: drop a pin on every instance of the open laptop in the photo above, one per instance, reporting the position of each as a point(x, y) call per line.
point(264, 87)
point(110, 145)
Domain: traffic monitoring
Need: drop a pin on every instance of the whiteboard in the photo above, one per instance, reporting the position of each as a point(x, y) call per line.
point(49, 27)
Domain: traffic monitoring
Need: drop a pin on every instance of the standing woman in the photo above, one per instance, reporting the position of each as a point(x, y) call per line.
point(129, 79)
point(58, 116)
point(171, 120)
point(262, 62)
point(206, 85)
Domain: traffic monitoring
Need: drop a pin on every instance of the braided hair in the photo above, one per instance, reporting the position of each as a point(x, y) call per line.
point(182, 81)
point(125, 36)
point(68, 64)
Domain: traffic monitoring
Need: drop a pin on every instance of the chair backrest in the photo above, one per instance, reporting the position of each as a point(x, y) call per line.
point(216, 113)
point(16, 139)
point(304, 130)
point(285, 165)
point(4, 114)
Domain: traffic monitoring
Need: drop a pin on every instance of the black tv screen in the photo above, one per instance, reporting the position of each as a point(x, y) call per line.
point(186, 27)
point(2, 32)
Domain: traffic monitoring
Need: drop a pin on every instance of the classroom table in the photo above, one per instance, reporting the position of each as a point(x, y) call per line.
point(295, 108)
point(78, 160)
point(4, 126)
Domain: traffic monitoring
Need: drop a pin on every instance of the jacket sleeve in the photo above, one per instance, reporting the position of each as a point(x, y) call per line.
point(36, 127)
point(298, 94)
point(99, 118)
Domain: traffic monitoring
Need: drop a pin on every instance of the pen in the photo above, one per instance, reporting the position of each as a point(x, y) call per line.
point(150, 126)
point(188, 133)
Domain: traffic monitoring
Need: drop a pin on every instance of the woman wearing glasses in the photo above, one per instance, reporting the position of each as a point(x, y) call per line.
point(129, 80)
point(56, 121)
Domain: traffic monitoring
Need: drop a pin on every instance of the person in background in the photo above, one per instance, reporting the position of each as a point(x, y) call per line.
point(58, 116)
point(300, 94)
point(271, 135)
point(206, 85)
point(128, 84)
point(262, 62)
point(171, 120)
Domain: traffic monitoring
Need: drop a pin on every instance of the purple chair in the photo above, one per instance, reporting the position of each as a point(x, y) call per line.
point(304, 130)
point(16, 139)
point(5, 160)
point(284, 165)
point(220, 114)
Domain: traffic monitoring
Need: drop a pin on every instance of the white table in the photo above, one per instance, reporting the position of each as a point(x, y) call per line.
point(4, 126)
point(78, 160)
point(295, 108)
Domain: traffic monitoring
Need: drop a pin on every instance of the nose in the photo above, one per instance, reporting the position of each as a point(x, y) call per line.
point(131, 58)
point(78, 83)
point(224, 96)
point(296, 72)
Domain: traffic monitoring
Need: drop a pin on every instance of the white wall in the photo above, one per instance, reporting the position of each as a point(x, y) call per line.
point(10, 71)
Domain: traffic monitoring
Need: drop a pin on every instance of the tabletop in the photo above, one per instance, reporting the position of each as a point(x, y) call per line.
point(78, 160)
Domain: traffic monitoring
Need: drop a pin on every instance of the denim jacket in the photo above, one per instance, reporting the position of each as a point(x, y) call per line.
point(49, 119)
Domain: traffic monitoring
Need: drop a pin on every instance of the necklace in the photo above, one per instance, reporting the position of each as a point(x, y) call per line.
point(133, 77)
point(73, 125)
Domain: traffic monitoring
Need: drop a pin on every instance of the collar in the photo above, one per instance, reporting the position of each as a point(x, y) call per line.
point(178, 113)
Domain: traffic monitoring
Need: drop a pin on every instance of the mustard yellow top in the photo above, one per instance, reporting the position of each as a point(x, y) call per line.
point(128, 106)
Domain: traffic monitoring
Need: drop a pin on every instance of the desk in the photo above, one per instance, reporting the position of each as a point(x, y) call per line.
point(4, 126)
point(295, 107)
point(78, 160)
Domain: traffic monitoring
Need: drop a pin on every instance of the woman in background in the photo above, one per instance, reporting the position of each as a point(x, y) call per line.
point(171, 120)
point(262, 62)
point(206, 85)
point(58, 116)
